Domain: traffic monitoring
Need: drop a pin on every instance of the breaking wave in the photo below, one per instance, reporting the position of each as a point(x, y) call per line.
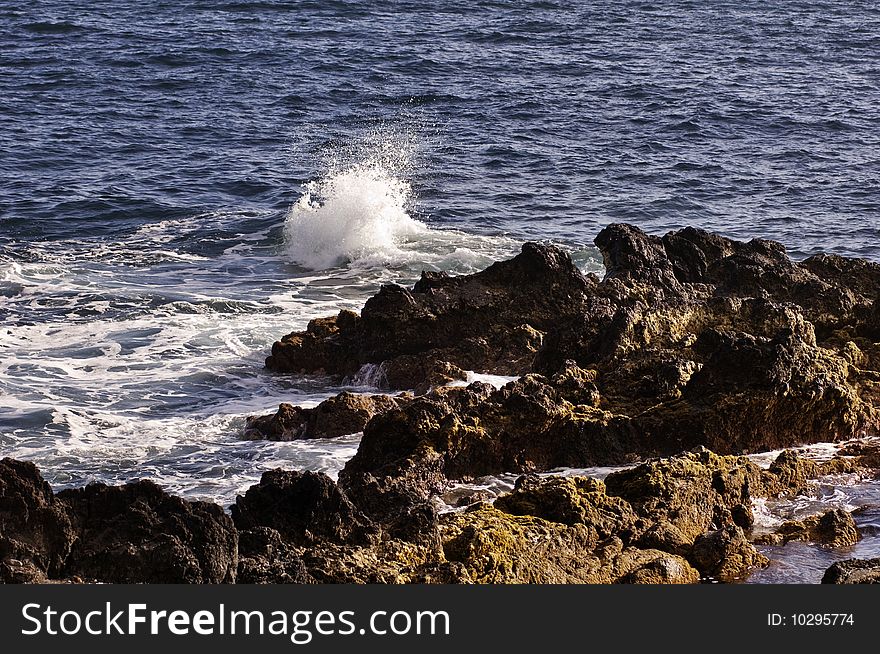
point(355, 215)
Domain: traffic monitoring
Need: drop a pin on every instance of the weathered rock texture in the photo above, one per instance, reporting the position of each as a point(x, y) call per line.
point(672, 520)
point(853, 571)
point(346, 413)
point(138, 533)
point(690, 339)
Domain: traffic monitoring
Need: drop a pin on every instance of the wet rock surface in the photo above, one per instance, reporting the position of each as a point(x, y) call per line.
point(853, 571)
point(346, 413)
point(834, 528)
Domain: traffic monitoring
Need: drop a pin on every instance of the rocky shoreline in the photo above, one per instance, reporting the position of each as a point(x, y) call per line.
point(681, 519)
point(691, 352)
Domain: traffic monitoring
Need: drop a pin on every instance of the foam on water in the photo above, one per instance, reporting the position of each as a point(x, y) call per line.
point(357, 215)
point(140, 354)
point(493, 380)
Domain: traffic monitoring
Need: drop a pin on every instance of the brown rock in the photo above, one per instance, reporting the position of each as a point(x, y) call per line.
point(853, 571)
point(346, 413)
point(489, 321)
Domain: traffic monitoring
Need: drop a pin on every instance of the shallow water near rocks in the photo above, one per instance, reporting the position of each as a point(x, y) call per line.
point(798, 562)
point(186, 182)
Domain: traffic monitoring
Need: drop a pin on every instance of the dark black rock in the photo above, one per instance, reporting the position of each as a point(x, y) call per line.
point(304, 508)
point(35, 530)
point(138, 533)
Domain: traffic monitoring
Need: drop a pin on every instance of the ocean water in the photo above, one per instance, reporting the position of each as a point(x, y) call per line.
point(181, 183)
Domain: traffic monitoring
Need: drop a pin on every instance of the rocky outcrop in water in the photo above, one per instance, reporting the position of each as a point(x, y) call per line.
point(690, 339)
point(493, 320)
point(346, 413)
point(834, 528)
point(853, 571)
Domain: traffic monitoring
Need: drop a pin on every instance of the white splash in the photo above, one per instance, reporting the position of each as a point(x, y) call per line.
point(360, 213)
point(356, 215)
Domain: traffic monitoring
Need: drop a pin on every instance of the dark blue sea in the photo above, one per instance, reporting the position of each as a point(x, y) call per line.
point(181, 183)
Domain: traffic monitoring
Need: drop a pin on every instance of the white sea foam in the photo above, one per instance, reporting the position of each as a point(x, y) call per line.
point(359, 214)
point(360, 217)
point(493, 380)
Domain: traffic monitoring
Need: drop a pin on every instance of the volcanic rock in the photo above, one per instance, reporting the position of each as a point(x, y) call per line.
point(853, 571)
point(138, 533)
point(346, 413)
point(492, 321)
point(266, 558)
point(690, 339)
point(496, 547)
point(303, 507)
point(35, 530)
